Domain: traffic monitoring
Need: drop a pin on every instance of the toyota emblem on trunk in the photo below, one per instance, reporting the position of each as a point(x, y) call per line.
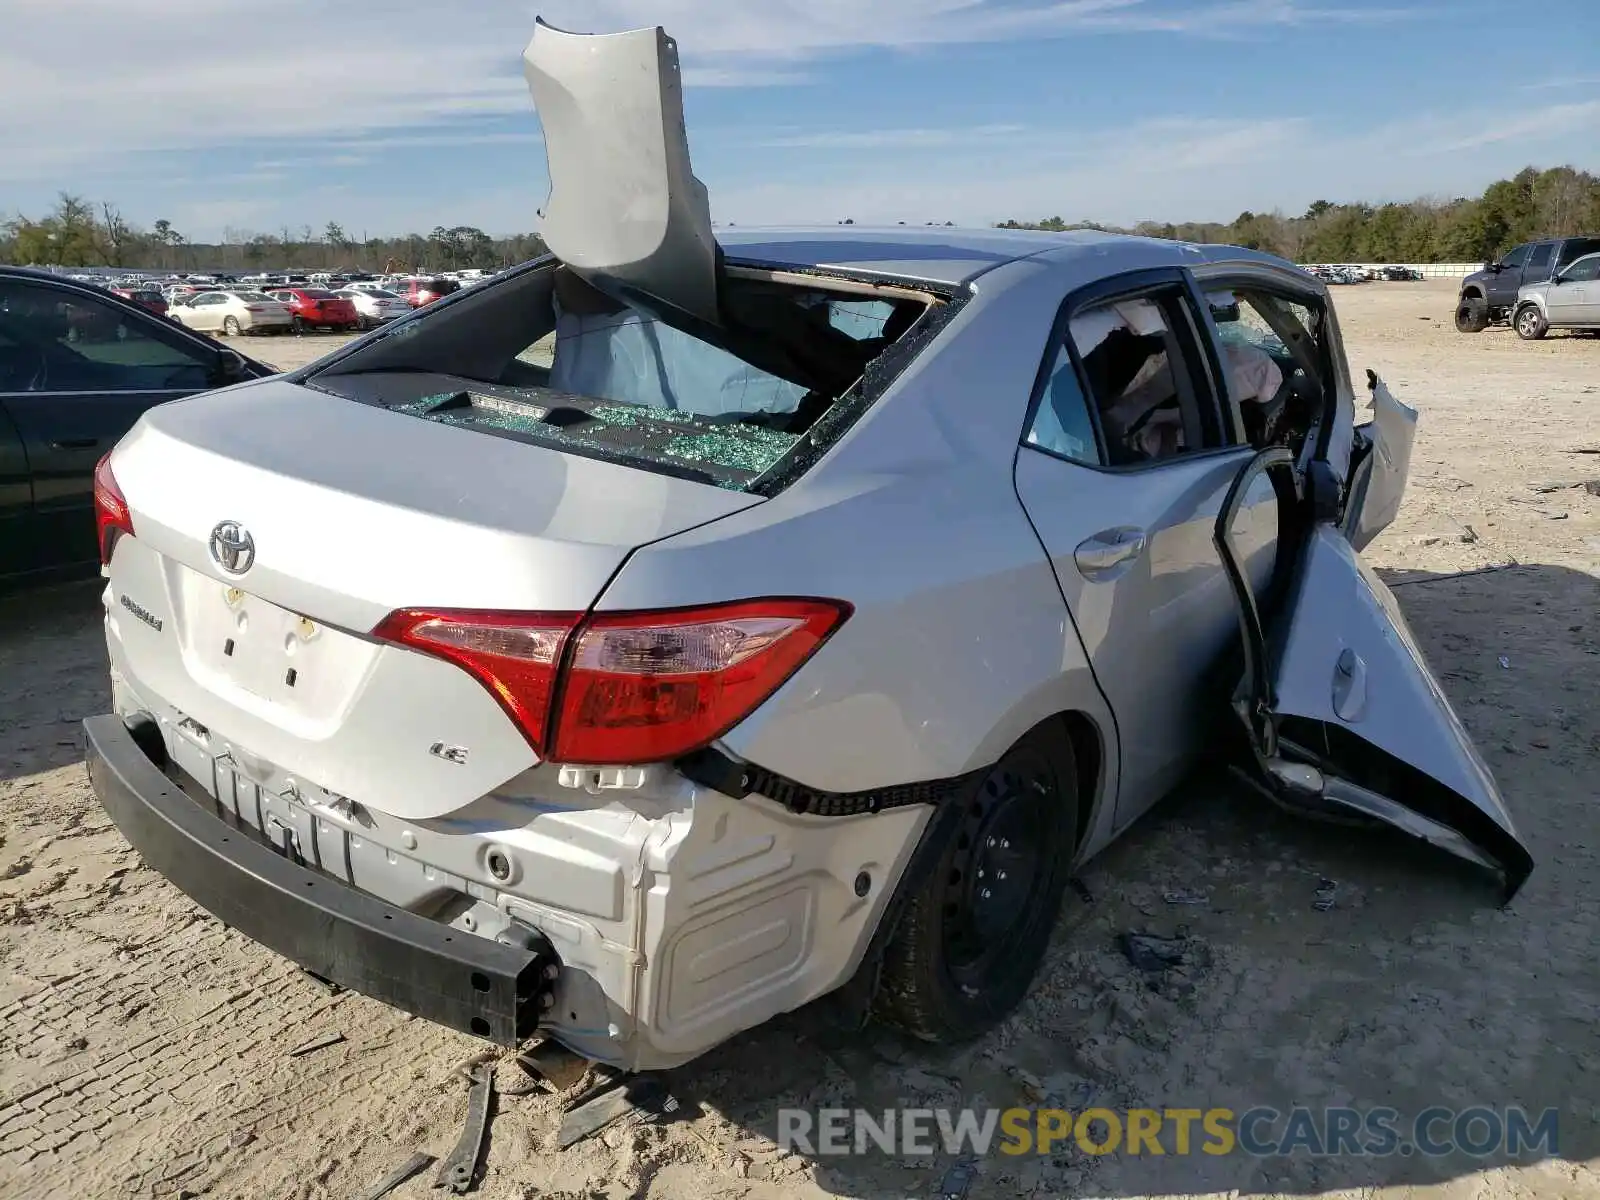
point(232, 547)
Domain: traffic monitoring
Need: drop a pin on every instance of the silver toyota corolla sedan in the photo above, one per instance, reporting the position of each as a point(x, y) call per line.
point(688, 625)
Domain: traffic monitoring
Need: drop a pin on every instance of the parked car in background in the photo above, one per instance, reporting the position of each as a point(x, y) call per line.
point(65, 400)
point(144, 297)
point(317, 308)
point(374, 306)
point(232, 313)
point(417, 292)
point(803, 624)
point(1570, 299)
point(1488, 297)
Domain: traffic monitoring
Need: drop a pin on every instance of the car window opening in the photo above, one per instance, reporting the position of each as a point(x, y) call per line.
point(1275, 364)
point(584, 371)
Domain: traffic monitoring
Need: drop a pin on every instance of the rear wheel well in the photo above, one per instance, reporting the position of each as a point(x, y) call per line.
point(1087, 751)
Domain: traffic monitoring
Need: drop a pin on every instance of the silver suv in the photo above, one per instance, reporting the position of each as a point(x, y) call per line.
point(678, 629)
point(1570, 299)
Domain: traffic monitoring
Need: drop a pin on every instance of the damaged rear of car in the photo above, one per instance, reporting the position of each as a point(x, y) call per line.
point(668, 633)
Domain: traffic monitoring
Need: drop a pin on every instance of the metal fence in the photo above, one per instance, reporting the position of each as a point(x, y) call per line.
point(1431, 270)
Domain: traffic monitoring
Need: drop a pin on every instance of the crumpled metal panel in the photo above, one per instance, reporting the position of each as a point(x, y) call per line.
point(1349, 663)
point(1381, 483)
point(624, 204)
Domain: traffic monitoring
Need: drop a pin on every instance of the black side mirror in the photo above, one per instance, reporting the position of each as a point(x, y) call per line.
point(229, 369)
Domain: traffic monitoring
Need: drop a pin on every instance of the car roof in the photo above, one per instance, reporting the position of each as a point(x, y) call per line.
point(946, 255)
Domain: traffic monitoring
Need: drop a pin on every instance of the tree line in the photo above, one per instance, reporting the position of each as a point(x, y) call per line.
point(76, 233)
point(1557, 202)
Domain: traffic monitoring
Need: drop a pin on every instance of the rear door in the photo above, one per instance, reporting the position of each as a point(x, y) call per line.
point(96, 367)
point(1125, 511)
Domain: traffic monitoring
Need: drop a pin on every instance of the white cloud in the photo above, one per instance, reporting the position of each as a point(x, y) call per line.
point(897, 139)
point(1545, 122)
point(1170, 170)
point(93, 82)
point(100, 89)
point(743, 77)
point(1571, 81)
point(718, 30)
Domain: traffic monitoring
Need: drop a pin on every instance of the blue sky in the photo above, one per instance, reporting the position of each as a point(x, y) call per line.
point(402, 115)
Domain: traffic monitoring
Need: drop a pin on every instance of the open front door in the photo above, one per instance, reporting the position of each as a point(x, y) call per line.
point(1344, 716)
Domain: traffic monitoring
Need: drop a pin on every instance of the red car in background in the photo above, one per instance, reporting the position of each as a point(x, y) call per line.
point(417, 292)
point(317, 308)
point(146, 298)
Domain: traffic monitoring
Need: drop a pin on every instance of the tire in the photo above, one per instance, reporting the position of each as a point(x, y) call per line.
point(1472, 315)
point(363, 324)
point(963, 957)
point(298, 325)
point(230, 326)
point(1529, 323)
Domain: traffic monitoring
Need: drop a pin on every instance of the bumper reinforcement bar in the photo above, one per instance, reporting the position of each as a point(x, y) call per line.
point(442, 974)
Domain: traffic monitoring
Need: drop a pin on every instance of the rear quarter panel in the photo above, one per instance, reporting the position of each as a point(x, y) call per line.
point(960, 641)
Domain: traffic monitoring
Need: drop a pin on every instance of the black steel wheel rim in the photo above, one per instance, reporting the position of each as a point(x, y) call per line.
point(999, 871)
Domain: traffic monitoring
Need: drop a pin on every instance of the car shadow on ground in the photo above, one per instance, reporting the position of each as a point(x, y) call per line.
point(52, 675)
point(1323, 966)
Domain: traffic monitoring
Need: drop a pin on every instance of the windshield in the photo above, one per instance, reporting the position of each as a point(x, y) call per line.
point(317, 294)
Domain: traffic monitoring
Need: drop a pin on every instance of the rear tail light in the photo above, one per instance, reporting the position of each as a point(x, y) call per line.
point(254, 308)
point(111, 516)
point(620, 688)
point(652, 686)
point(515, 655)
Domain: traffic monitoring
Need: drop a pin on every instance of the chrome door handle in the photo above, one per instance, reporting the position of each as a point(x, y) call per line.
point(1108, 549)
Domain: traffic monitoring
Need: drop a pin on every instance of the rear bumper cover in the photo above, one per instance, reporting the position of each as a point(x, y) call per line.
point(462, 981)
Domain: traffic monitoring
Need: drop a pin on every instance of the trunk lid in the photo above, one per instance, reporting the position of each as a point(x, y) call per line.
point(332, 514)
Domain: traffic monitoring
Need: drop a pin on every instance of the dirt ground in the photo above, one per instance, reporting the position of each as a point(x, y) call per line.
point(144, 1047)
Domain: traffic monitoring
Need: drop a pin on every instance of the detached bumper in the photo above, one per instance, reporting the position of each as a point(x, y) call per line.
point(456, 979)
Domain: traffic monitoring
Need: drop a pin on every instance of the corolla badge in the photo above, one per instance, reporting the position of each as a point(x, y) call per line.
point(232, 547)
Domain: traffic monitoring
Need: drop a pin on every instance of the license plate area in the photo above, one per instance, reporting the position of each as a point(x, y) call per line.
point(243, 646)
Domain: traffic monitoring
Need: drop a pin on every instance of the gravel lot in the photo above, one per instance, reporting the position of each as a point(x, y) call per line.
point(144, 1048)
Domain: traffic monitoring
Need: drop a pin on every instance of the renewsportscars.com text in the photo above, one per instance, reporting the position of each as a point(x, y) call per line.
point(1480, 1132)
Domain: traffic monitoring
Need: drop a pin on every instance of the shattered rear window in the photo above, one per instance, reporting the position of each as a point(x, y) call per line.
point(728, 456)
point(600, 377)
